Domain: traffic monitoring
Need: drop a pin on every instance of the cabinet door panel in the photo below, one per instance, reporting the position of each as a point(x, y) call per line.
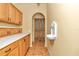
point(18, 17)
point(22, 47)
point(12, 13)
point(3, 32)
point(3, 12)
point(9, 13)
point(8, 49)
point(15, 16)
point(14, 52)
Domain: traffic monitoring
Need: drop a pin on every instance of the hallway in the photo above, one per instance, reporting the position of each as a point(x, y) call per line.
point(38, 49)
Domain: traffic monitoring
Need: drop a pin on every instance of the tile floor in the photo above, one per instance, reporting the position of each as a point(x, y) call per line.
point(38, 49)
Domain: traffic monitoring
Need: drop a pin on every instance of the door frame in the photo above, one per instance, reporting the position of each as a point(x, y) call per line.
point(33, 24)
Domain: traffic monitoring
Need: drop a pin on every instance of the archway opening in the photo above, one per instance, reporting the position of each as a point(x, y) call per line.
point(39, 28)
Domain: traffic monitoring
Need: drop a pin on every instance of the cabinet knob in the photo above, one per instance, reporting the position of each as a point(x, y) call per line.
point(9, 19)
point(24, 40)
point(8, 32)
point(8, 50)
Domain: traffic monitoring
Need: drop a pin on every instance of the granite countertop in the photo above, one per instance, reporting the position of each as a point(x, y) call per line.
point(4, 41)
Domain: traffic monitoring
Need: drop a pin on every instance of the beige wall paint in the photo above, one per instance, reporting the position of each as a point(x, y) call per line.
point(67, 18)
point(29, 9)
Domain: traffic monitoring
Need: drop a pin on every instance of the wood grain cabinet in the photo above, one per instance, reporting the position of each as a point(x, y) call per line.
point(15, 16)
point(27, 42)
point(24, 45)
point(9, 31)
point(18, 48)
point(3, 32)
point(18, 17)
point(15, 52)
point(21, 47)
point(4, 12)
point(6, 50)
point(10, 14)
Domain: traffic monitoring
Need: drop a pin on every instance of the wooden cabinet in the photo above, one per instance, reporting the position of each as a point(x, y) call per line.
point(18, 17)
point(27, 42)
point(9, 31)
point(21, 46)
point(2, 32)
point(3, 12)
point(10, 14)
point(15, 16)
point(14, 52)
point(18, 48)
point(24, 45)
point(5, 51)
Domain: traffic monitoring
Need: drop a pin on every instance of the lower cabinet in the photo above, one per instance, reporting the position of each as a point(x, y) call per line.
point(18, 48)
point(14, 52)
point(27, 42)
point(24, 45)
point(6, 50)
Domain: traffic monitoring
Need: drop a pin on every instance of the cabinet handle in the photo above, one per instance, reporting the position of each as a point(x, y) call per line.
point(9, 19)
point(8, 32)
point(24, 40)
point(8, 50)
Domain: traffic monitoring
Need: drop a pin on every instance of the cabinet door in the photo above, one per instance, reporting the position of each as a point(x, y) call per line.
point(4, 12)
point(3, 32)
point(26, 43)
point(6, 50)
point(21, 47)
point(14, 52)
point(15, 16)
point(18, 17)
point(12, 13)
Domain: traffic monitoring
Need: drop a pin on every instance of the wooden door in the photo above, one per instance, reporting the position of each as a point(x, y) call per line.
point(39, 28)
point(3, 12)
point(14, 52)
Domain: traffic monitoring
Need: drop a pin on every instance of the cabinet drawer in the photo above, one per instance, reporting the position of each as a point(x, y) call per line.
point(8, 49)
point(14, 52)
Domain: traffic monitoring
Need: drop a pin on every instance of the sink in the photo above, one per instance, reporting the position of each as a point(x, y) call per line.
point(53, 34)
point(51, 37)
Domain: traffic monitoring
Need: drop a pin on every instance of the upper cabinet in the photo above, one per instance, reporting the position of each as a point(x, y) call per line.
point(18, 17)
point(3, 12)
point(15, 16)
point(10, 14)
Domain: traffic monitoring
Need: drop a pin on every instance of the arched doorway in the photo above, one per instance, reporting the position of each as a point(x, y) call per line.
point(39, 28)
